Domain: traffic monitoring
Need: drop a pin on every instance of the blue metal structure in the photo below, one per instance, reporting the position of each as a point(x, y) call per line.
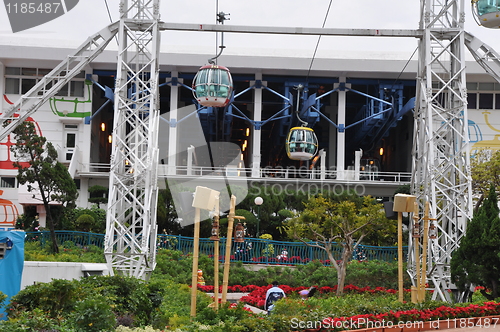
point(11, 264)
point(256, 251)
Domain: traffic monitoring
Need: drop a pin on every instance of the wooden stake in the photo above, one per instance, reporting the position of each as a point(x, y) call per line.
point(227, 258)
point(194, 275)
point(216, 260)
point(423, 280)
point(400, 256)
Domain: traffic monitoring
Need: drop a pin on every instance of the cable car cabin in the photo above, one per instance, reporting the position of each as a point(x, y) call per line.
point(488, 13)
point(213, 86)
point(301, 143)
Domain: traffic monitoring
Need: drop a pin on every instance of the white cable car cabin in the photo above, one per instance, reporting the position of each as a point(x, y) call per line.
point(301, 143)
point(487, 13)
point(213, 86)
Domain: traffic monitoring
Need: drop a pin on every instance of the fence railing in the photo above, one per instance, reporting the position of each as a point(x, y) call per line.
point(251, 251)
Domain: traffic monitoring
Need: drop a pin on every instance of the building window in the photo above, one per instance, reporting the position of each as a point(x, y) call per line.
point(8, 182)
point(486, 101)
point(20, 80)
point(483, 95)
point(70, 132)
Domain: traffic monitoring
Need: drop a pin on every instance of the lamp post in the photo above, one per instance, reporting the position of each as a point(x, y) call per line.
point(258, 201)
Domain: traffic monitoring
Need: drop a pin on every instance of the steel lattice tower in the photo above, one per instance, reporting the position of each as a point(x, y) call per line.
point(441, 170)
point(131, 219)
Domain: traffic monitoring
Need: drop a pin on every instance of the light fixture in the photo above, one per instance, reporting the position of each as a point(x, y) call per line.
point(258, 201)
point(381, 151)
point(239, 233)
point(215, 231)
point(110, 139)
point(247, 132)
point(103, 126)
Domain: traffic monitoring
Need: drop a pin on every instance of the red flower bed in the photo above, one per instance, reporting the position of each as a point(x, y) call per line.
point(414, 315)
point(257, 295)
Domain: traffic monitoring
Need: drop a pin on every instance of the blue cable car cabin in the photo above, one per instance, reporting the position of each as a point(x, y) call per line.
point(301, 143)
point(488, 13)
point(213, 86)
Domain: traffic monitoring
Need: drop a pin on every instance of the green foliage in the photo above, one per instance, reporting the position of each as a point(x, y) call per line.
point(485, 169)
point(173, 265)
point(93, 314)
point(33, 320)
point(68, 252)
point(477, 260)
point(98, 195)
point(43, 172)
point(175, 308)
point(71, 216)
point(128, 295)
point(136, 329)
point(3, 297)
point(55, 298)
point(346, 219)
point(85, 223)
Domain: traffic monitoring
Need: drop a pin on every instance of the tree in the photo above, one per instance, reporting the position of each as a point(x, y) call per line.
point(485, 170)
point(37, 164)
point(332, 221)
point(477, 260)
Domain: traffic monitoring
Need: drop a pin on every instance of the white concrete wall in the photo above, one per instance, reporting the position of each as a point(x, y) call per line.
point(35, 272)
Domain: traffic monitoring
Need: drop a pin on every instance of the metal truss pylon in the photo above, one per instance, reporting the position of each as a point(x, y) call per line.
point(131, 230)
point(441, 169)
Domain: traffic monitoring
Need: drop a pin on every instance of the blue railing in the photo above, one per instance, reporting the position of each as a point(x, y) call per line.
point(251, 251)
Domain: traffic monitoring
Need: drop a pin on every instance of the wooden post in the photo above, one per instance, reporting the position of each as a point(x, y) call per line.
point(227, 258)
point(216, 260)
point(416, 238)
point(402, 203)
point(194, 275)
point(425, 242)
point(400, 256)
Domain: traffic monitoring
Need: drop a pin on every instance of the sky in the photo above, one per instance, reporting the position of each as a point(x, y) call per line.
point(90, 16)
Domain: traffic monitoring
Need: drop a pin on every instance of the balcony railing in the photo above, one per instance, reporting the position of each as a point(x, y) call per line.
point(276, 173)
point(256, 251)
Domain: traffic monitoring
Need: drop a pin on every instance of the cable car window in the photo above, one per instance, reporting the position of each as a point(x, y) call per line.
point(487, 6)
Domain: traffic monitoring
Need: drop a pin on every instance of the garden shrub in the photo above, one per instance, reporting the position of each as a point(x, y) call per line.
point(56, 298)
point(33, 320)
point(175, 308)
point(136, 329)
point(93, 314)
point(85, 223)
point(128, 295)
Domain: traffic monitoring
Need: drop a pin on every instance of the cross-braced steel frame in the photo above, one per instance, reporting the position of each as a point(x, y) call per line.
point(441, 170)
point(131, 229)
